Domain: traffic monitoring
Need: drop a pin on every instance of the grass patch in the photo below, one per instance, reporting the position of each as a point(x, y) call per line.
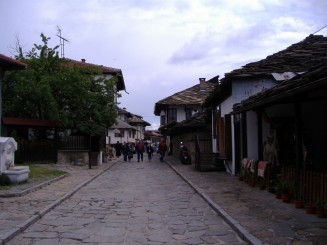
point(37, 172)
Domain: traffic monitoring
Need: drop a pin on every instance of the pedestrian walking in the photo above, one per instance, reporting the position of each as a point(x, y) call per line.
point(118, 148)
point(149, 150)
point(162, 148)
point(140, 150)
point(130, 152)
point(125, 150)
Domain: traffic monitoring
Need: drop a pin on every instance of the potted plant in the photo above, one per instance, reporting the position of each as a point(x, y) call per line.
point(310, 208)
point(298, 198)
point(241, 176)
point(272, 186)
point(283, 191)
point(278, 188)
point(298, 203)
point(252, 179)
point(321, 208)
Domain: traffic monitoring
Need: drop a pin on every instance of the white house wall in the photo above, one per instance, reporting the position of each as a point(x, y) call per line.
point(181, 113)
point(241, 90)
point(244, 88)
point(111, 139)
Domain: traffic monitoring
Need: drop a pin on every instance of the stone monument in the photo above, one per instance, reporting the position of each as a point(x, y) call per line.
point(16, 174)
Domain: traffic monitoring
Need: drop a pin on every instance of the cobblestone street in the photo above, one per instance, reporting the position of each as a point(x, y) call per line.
point(132, 203)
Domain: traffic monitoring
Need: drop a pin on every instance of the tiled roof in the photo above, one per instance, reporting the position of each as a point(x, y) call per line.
point(313, 80)
point(104, 69)
point(135, 120)
point(120, 124)
point(298, 57)
point(123, 111)
point(152, 133)
point(191, 96)
point(29, 122)
point(7, 63)
point(198, 120)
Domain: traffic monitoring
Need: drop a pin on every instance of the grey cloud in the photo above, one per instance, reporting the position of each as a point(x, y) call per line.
point(196, 49)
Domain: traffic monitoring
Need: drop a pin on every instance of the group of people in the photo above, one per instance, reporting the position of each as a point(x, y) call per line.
point(127, 150)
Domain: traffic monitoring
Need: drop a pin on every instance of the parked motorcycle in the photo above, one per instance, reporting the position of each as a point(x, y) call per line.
point(184, 154)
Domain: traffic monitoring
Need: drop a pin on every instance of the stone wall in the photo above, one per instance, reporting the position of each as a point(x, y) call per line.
point(77, 158)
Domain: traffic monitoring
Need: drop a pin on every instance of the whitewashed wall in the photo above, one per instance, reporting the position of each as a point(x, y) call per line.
point(241, 90)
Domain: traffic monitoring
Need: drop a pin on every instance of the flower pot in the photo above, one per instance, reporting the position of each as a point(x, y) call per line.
point(286, 197)
point(298, 204)
point(310, 209)
point(321, 213)
point(251, 183)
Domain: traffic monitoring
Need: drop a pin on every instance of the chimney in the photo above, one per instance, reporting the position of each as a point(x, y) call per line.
point(83, 60)
point(202, 84)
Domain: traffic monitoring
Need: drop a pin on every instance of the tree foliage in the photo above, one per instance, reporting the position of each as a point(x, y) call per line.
point(78, 98)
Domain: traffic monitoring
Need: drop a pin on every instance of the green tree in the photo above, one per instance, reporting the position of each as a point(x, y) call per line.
point(79, 98)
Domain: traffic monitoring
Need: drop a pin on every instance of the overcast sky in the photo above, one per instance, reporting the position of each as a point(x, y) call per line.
point(162, 46)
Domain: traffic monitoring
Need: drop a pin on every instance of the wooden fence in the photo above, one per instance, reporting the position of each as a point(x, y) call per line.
point(309, 186)
point(74, 143)
point(36, 151)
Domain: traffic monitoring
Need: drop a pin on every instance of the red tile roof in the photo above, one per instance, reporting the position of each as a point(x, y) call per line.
point(7, 63)
point(104, 69)
point(28, 122)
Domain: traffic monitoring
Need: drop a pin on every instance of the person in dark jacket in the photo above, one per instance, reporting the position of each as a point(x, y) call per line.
point(125, 150)
point(118, 148)
point(162, 148)
point(149, 150)
point(139, 147)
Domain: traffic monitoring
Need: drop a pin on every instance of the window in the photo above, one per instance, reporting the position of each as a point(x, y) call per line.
point(172, 115)
point(162, 119)
point(120, 135)
point(188, 112)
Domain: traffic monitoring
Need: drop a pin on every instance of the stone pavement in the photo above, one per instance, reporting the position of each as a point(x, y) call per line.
point(255, 215)
point(132, 203)
point(18, 213)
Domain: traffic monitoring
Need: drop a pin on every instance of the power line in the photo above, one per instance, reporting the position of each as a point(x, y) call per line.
point(319, 29)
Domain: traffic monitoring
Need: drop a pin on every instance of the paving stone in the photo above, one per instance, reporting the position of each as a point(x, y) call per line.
point(138, 203)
